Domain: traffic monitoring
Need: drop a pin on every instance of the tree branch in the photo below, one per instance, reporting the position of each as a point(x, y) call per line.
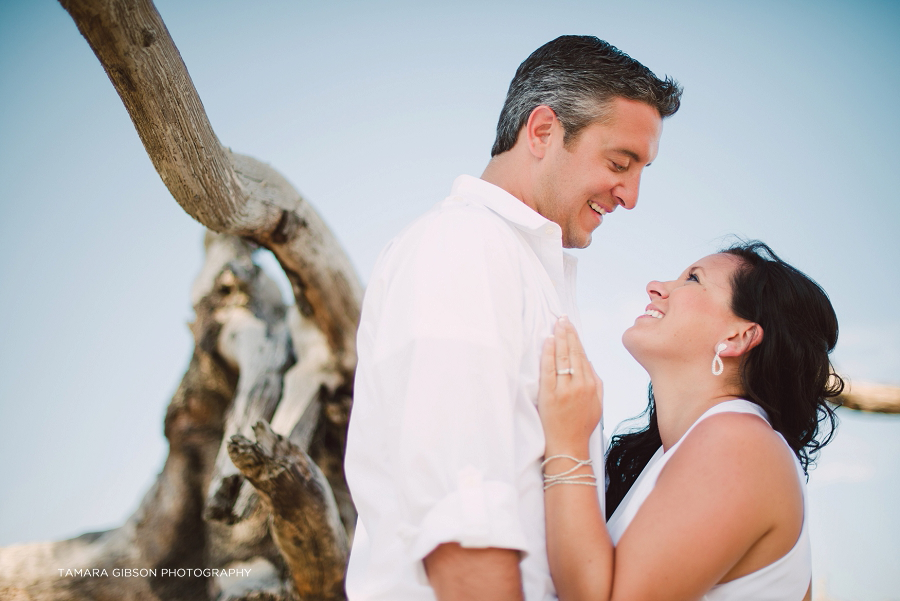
point(226, 192)
point(871, 398)
point(305, 522)
point(143, 64)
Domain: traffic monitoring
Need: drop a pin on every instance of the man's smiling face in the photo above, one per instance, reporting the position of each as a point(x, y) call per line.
point(598, 171)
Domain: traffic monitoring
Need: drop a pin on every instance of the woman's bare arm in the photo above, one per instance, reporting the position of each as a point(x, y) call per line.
point(579, 549)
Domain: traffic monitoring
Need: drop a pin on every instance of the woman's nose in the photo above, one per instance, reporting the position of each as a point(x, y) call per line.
point(655, 289)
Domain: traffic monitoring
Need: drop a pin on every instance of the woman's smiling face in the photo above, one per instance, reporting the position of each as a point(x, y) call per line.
point(687, 317)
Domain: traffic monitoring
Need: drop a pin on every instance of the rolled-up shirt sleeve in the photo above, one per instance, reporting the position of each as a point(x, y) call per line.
point(446, 363)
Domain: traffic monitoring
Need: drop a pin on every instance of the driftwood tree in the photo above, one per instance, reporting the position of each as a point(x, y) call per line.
point(251, 502)
point(872, 398)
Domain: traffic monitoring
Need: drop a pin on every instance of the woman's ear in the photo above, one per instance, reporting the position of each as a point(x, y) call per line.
point(749, 335)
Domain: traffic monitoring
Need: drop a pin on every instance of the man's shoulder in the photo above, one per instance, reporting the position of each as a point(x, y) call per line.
point(457, 234)
point(457, 222)
point(459, 213)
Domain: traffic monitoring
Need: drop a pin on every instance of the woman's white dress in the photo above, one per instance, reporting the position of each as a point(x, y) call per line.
point(787, 579)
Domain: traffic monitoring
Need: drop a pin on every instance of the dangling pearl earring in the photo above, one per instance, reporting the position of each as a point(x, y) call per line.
point(717, 365)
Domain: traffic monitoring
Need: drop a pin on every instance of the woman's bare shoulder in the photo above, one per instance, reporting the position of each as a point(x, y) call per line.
point(739, 449)
point(736, 465)
point(731, 487)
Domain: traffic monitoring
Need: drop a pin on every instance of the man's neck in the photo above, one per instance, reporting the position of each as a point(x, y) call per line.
point(507, 172)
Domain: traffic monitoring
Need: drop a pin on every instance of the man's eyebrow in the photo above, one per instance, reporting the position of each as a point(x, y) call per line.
point(629, 153)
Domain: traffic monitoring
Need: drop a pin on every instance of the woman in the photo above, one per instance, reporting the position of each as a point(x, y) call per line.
point(708, 501)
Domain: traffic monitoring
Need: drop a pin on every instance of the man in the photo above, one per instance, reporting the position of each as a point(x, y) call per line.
point(445, 444)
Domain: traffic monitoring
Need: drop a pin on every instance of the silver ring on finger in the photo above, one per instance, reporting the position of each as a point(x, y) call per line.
point(565, 372)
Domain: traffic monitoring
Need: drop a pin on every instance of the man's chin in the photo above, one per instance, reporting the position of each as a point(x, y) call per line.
point(581, 241)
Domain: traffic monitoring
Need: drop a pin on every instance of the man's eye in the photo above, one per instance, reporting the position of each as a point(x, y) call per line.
point(617, 167)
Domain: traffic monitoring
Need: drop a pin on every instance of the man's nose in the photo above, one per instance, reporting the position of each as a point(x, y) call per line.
point(626, 193)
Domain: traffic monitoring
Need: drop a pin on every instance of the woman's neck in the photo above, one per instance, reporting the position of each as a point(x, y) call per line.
point(682, 396)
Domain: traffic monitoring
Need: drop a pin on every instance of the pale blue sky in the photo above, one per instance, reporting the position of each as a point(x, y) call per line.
point(788, 133)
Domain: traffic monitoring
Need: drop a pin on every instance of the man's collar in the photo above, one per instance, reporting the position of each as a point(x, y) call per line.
point(506, 205)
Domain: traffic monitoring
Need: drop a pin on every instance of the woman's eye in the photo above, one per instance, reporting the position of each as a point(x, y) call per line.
point(692, 277)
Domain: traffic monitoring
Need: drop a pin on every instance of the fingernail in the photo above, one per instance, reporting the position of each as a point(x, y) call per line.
point(564, 317)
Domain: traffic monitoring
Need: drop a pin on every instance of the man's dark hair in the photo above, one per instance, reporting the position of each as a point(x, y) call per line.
point(577, 76)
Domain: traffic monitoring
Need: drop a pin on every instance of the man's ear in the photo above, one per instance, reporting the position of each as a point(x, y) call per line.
point(541, 122)
point(747, 337)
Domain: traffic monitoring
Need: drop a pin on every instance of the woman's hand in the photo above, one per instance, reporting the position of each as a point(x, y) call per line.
point(570, 403)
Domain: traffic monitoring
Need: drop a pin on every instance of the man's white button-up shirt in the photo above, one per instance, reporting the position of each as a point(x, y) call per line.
point(445, 442)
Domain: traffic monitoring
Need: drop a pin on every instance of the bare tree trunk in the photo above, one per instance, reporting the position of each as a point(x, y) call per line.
point(243, 342)
point(293, 367)
point(233, 194)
